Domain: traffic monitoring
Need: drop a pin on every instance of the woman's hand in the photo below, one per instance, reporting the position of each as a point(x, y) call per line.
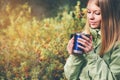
point(70, 45)
point(86, 42)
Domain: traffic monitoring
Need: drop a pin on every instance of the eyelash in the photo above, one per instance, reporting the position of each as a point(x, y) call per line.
point(97, 13)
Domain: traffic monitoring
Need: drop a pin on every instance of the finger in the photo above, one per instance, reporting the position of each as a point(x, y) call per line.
point(90, 37)
point(87, 49)
point(85, 37)
point(81, 47)
point(83, 42)
point(70, 46)
point(80, 40)
point(71, 40)
point(86, 46)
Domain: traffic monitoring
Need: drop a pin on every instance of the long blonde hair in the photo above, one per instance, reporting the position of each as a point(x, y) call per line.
point(110, 23)
point(109, 26)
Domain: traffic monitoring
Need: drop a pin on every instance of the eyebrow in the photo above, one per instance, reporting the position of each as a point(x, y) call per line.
point(94, 10)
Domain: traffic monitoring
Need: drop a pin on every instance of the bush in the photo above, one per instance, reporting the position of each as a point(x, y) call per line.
point(31, 49)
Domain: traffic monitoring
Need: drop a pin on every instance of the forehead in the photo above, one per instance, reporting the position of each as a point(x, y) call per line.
point(93, 6)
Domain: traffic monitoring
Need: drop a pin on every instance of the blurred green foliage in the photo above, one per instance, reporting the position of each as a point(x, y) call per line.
point(32, 49)
point(45, 8)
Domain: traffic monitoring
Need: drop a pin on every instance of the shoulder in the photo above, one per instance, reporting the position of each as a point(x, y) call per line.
point(116, 46)
point(115, 51)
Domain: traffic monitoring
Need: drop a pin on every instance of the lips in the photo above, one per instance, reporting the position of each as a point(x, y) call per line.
point(92, 23)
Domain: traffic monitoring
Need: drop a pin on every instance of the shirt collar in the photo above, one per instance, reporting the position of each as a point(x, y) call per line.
point(96, 35)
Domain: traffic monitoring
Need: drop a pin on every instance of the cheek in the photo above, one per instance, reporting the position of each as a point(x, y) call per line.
point(88, 16)
point(98, 23)
point(98, 20)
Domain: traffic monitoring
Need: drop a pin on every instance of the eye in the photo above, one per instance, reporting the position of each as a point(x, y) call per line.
point(97, 13)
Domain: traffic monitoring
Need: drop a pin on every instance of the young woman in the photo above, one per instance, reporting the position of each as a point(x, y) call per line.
point(101, 58)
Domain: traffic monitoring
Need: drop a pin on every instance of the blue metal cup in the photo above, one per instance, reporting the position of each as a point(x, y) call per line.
point(76, 49)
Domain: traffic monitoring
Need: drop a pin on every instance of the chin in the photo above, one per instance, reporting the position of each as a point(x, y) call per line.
point(94, 27)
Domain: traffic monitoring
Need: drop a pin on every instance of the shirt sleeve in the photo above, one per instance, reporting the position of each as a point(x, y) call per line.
point(100, 70)
point(73, 66)
point(115, 63)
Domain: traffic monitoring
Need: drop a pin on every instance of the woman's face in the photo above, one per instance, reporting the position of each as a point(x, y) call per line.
point(93, 15)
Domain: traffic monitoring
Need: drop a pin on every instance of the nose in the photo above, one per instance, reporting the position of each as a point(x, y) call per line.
point(91, 16)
